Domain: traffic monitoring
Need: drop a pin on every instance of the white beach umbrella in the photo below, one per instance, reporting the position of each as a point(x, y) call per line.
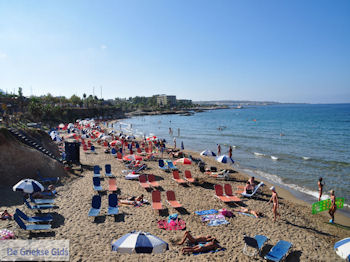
point(225, 159)
point(139, 242)
point(208, 153)
point(61, 125)
point(28, 186)
point(342, 248)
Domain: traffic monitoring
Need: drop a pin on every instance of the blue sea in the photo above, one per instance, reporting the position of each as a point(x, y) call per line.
point(288, 145)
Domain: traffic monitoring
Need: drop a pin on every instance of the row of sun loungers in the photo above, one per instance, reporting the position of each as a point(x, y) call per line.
point(171, 200)
point(96, 205)
point(112, 184)
point(277, 252)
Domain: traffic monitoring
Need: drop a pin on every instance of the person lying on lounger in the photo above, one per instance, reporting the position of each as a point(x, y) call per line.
point(257, 214)
point(202, 247)
point(51, 191)
point(194, 240)
point(132, 200)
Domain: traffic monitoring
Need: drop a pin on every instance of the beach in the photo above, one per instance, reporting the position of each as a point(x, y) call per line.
point(90, 239)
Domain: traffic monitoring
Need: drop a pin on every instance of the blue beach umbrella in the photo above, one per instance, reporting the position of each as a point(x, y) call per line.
point(225, 159)
point(342, 248)
point(208, 153)
point(139, 242)
point(28, 186)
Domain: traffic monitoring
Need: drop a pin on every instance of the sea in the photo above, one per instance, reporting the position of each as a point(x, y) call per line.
point(289, 145)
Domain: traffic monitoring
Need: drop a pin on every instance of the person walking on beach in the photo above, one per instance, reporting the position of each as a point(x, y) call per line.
point(174, 143)
point(219, 150)
point(230, 152)
point(333, 207)
point(274, 199)
point(320, 188)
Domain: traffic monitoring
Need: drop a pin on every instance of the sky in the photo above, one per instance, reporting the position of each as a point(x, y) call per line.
point(285, 51)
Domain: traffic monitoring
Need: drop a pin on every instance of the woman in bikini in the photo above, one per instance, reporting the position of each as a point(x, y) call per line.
point(201, 247)
point(194, 240)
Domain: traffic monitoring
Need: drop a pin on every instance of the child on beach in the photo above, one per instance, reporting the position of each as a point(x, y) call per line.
point(320, 188)
point(274, 199)
point(333, 207)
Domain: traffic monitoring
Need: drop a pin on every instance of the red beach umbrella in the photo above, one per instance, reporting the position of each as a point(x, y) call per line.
point(183, 161)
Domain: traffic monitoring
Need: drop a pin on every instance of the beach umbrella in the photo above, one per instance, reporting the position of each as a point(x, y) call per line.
point(130, 137)
point(184, 161)
point(208, 153)
point(106, 138)
point(139, 242)
point(28, 186)
point(342, 248)
point(61, 125)
point(225, 159)
point(132, 157)
point(115, 142)
point(70, 125)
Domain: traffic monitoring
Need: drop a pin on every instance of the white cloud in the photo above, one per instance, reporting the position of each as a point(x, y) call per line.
point(103, 47)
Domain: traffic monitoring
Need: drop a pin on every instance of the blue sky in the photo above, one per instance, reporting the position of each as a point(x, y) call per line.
point(287, 51)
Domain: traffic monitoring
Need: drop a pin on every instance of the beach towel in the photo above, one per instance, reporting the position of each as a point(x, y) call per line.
point(206, 212)
point(177, 224)
point(246, 214)
point(211, 251)
point(206, 218)
point(218, 222)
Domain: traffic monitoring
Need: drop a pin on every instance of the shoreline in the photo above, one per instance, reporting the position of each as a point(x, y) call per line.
point(342, 218)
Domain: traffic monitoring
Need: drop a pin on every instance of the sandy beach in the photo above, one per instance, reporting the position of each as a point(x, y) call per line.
point(90, 239)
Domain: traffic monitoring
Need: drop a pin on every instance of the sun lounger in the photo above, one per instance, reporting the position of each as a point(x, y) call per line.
point(152, 180)
point(188, 176)
point(143, 181)
point(32, 226)
point(92, 149)
point(49, 193)
point(172, 200)
point(47, 218)
point(220, 194)
point(156, 204)
point(112, 186)
point(95, 206)
point(97, 171)
point(47, 179)
point(256, 243)
point(112, 205)
point(171, 165)
point(255, 190)
point(279, 251)
point(41, 200)
point(114, 152)
point(108, 170)
point(176, 177)
point(162, 165)
point(229, 194)
point(35, 206)
point(97, 183)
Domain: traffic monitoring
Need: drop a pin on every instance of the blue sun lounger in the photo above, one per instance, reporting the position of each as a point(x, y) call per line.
point(162, 165)
point(95, 206)
point(108, 170)
point(32, 226)
point(279, 251)
point(47, 218)
point(97, 184)
point(41, 201)
point(47, 179)
point(171, 165)
point(112, 205)
point(255, 190)
point(97, 171)
point(35, 206)
point(257, 243)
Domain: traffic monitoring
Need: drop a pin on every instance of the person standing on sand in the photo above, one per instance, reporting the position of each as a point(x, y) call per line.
point(274, 199)
point(219, 150)
point(230, 152)
point(320, 188)
point(333, 207)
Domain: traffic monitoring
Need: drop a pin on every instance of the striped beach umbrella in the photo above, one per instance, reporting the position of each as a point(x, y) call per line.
point(184, 161)
point(225, 159)
point(342, 248)
point(28, 186)
point(139, 242)
point(208, 153)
